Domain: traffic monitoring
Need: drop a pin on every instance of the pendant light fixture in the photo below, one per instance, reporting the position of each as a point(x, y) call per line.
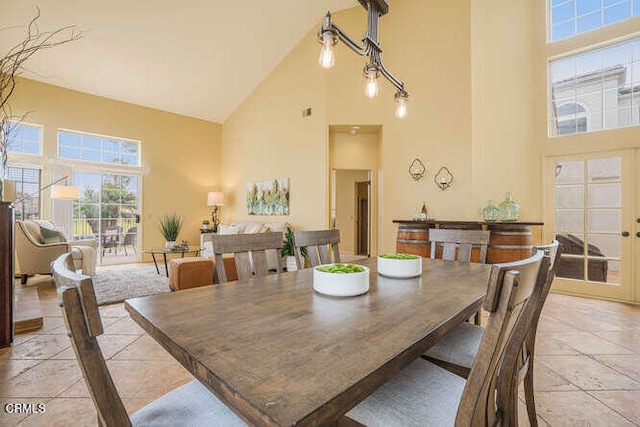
point(329, 34)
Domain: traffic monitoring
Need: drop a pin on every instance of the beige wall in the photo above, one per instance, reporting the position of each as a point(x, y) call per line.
point(505, 156)
point(180, 155)
point(268, 138)
point(346, 206)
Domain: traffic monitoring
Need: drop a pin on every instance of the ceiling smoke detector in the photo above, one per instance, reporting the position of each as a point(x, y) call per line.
point(354, 130)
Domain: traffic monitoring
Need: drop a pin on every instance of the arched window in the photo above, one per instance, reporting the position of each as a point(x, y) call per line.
point(572, 118)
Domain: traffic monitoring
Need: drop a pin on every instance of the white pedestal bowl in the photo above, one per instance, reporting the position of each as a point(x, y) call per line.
point(340, 285)
point(400, 268)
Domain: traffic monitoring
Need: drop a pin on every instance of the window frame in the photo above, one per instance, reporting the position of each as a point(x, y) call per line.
point(40, 139)
point(102, 137)
point(633, 13)
point(552, 118)
point(23, 166)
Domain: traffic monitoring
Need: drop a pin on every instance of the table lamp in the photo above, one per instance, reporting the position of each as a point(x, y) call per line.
point(215, 199)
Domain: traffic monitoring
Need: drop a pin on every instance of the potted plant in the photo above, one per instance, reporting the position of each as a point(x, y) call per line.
point(289, 252)
point(205, 224)
point(169, 226)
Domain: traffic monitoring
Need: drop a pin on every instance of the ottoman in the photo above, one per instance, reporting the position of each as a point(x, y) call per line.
point(185, 273)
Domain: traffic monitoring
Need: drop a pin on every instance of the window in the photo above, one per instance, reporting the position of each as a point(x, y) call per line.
point(27, 188)
point(571, 17)
point(600, 88)
point(94, 148)
point(23, 138)
point(572, 118)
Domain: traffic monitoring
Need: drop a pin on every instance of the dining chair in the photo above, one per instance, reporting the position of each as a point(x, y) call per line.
point(425, 394)
point(191, 404)
point(317, 245)
point(460, 241)
point(250, 253)
point(458, 349)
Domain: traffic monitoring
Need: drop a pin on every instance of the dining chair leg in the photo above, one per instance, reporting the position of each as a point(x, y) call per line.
point(529, 397)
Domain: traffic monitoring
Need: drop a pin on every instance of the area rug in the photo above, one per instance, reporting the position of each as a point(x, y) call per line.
point(118, 284)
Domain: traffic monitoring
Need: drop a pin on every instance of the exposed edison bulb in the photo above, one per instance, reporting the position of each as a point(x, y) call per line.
point(401, 107)
point(371, 88)
point(327, 56)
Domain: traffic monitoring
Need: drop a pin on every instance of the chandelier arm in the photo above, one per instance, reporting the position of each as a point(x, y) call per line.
point(375, 58)
point(361, 50)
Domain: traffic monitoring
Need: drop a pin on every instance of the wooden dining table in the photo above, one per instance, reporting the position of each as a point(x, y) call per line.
point(278, 353)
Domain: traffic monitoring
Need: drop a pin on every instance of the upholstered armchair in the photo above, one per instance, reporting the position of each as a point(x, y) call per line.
point(34, 256)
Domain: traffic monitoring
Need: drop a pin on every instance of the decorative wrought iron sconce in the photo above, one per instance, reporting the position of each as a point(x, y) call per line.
point(417, 169)
point(444, 178)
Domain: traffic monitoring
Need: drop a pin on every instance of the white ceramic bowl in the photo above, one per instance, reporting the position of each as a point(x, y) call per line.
point(341, 285)
point(400, 268)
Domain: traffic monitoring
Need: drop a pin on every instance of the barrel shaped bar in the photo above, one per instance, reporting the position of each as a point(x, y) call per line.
point(509, 241)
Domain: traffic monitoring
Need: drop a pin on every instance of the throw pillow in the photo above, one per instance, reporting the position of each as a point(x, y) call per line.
point(254, 228)
point(51, 236)
point(227, 229)
point(265, 229)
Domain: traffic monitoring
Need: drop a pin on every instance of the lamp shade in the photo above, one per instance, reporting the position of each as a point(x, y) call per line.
point(9, 190)
point(65, 192)
point(215, 198)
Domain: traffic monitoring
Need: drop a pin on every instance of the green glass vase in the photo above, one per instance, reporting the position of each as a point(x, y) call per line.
point(509, 209)
point(491, 212)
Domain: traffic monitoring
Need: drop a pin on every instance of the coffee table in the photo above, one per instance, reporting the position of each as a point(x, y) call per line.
point(165, 251)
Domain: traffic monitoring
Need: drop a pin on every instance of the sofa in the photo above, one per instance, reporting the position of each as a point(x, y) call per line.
point(36, 247)
point(250, 227)
point(573, 268)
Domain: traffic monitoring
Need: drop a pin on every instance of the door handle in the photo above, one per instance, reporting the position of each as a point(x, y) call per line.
point(625, 234)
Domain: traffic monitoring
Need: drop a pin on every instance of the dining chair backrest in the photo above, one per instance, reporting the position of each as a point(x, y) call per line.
point(553, 251)
point(460, 241)
point(490, 393)
point(319, 246)
point(82, 318)
point(249, 250)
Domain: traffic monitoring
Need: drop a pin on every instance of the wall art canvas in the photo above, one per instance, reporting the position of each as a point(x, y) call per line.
point(268, 197)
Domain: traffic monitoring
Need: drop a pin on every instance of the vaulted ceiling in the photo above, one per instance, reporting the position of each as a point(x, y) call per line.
point(199, 58)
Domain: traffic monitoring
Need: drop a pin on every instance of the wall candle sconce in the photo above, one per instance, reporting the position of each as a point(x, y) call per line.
point(417, 169)
point(444, 178)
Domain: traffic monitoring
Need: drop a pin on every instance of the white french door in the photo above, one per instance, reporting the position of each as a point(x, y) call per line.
point(108, 210)
point(591, 211)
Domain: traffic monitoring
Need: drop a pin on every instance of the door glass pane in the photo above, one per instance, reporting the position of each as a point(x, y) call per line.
point(601, 270)
point(604, 220)
point(605, 244)
point(570, 197)
point(569, 172)
point(604, 169)
point(570, 221)
point(604, 195)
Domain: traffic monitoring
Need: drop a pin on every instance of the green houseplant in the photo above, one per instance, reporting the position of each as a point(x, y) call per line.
point(289, 252)
point(169, 226)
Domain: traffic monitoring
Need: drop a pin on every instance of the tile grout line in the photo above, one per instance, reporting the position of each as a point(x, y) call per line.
point(613, 409)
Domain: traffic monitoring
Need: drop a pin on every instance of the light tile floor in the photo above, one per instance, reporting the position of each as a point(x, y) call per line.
point(587, 370)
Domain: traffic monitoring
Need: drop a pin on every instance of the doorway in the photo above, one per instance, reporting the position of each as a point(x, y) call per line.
point(354, 199)
point(351, 210)
point(591, 212)
point(362, 217)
